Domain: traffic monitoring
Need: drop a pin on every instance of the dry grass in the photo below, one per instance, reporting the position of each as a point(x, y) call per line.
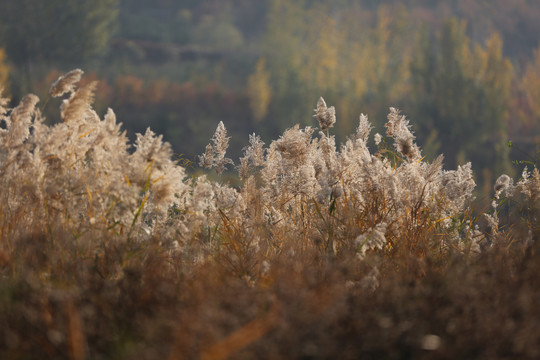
point(112, 253)
point(141, 303)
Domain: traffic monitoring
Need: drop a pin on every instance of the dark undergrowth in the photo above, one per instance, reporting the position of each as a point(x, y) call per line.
point(142, 303)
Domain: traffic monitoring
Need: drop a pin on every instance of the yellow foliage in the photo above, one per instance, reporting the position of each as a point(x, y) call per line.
point(492, 69)
point(321, 52)
point(388, 53)
point(531, 84)
point(4, 70)
point(259, 90)
point(358, 63)
point(284, 31)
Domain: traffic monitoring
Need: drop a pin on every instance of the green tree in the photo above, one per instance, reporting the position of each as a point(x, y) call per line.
point(259, 90)
point(218, 31)
point(530, 83)
point(358, 62)
point(56, 32)
point(461, 97)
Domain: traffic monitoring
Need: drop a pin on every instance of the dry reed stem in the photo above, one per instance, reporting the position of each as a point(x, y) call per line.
point(243, 337)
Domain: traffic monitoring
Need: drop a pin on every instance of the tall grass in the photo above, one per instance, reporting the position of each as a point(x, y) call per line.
point(109, 250)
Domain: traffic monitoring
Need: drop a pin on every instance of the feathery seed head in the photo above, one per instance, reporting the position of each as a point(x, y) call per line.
point(79, 104)
point(256, 150)
point(3, 102)
point(378, 138)
point(325, 115)
point(253, 156)
point(399, 129)
point(66, 83)
point(206, 160)
point(294, 142)
point(364, 128)
point(530, 184)
point(25, 109)
point(504, 182)
point(150, 148)
point(375, 239)
point(19, 121)
point(214, 156)
point(243, 168)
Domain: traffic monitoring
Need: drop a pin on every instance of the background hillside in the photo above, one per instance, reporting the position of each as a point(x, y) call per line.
point(467, 73)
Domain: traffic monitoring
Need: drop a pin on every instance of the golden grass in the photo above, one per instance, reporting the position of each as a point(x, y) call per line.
point(317, 253)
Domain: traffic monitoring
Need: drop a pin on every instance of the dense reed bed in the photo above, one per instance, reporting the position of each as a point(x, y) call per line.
point(109, 250)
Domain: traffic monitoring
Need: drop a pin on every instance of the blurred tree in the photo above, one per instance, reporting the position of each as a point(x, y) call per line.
point(218, 31)
point(531, 84)
point(380, 62)
point(282, 43)
point(357, 60)
point(259, 90)
point(516, 21)
point(321, 55)
point(56, 32)
point(159, 21)
point(463, 94)
point(4, 71)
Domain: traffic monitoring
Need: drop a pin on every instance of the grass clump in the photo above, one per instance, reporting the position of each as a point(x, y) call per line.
point(108, 251)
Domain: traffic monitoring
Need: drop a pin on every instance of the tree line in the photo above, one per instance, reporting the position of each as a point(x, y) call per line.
point(467, 74)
